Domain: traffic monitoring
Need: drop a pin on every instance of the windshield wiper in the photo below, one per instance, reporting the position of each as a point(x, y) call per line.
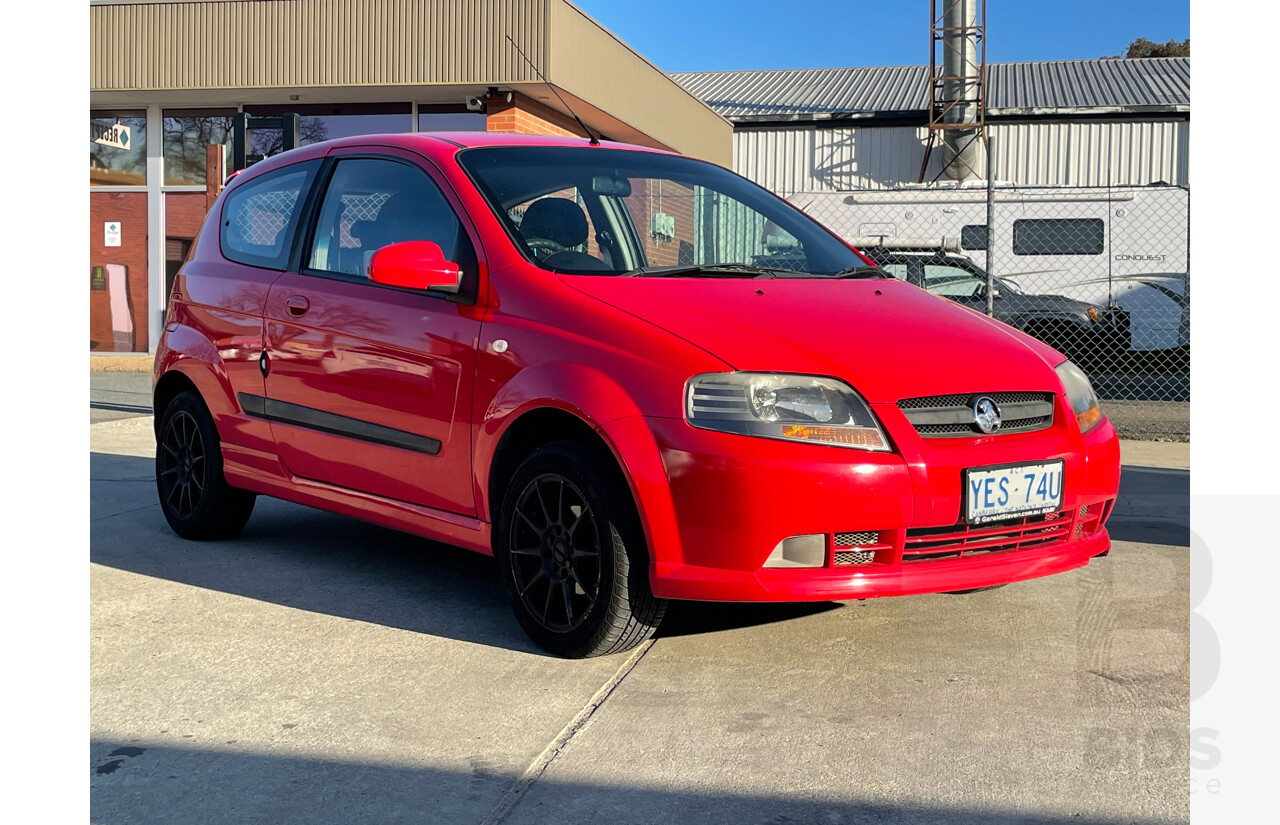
point(861, 272)
point(710, 270)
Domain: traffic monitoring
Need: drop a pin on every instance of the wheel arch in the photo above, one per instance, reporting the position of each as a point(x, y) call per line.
point(570, 401)
point(538, 427)
point(170, 385)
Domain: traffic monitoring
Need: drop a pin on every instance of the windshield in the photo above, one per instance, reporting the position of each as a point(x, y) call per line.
point(618, 212)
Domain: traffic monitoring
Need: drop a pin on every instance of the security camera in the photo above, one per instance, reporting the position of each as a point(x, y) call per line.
point(475, 104)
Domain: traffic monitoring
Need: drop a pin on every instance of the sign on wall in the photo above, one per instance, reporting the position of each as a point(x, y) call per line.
point(115, 135)
point(112, 233)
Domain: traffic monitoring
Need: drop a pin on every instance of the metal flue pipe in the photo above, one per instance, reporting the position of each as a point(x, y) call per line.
point(960, 66)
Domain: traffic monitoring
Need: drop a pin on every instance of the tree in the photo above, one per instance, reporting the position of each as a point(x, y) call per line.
point(1142, 47)
point(267, 142)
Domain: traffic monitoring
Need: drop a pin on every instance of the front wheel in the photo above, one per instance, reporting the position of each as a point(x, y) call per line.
point(194, 496)
point(572, 556)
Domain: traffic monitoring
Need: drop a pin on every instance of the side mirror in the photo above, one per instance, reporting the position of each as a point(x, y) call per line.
point(415, 265)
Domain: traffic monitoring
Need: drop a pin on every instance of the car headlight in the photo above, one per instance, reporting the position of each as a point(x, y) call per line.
point(790, 407)
point(1080, 395)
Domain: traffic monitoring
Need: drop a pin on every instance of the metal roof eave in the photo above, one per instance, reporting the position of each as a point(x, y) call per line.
point(899, 117)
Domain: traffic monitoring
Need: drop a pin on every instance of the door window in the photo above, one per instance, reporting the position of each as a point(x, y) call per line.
point(898, 271)
point(951, 281)
point(372, 203)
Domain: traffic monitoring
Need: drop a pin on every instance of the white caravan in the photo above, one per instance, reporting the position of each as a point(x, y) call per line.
point(1127, 246)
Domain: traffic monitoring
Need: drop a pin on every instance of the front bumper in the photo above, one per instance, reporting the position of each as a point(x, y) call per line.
point(716, 505)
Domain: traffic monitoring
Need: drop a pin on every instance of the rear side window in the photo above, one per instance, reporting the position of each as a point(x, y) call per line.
point(1058, 236)
point(259, 218)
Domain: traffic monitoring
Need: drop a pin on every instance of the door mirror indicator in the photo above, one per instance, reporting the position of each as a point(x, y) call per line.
point(415, 265)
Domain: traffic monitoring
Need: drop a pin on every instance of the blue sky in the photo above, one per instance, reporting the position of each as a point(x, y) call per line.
point(708, 35)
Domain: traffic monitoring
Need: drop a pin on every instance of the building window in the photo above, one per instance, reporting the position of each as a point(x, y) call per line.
point(320, 123)
point(117, 148)
point(973, 236)
point(1059, 236)
point(435, 118)
point(187, 134)
point(259, 218)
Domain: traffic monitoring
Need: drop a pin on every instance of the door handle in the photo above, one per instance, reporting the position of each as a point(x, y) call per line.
point(298, 305)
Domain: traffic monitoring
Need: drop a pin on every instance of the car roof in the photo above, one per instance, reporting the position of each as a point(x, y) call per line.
point(432, 144)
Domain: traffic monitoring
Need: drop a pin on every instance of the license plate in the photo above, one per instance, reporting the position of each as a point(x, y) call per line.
point(1012, 491)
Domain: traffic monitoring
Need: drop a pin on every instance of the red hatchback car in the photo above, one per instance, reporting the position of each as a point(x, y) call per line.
point(629, 375)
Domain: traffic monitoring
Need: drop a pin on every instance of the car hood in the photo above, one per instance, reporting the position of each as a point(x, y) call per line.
point(889, 339)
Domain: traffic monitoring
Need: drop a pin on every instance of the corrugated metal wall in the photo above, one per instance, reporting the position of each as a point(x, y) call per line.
point(362, 42)
point(809, 159)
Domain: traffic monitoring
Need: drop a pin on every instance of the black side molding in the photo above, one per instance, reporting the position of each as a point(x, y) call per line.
point(341, 425)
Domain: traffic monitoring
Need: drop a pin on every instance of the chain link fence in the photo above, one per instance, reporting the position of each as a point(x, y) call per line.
point(1101, 274)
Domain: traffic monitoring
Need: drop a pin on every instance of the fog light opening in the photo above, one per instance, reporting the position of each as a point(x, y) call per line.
point(799, 551)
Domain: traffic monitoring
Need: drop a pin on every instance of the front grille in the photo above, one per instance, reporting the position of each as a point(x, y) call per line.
point(844, 559)
point(955, 541)
point(951, 416)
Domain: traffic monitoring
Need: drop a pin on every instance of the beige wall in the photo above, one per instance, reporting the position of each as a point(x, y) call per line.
point(228, 52)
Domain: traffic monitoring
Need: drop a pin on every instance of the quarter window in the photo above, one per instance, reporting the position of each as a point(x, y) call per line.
point(259, 218)
point(1059, 236)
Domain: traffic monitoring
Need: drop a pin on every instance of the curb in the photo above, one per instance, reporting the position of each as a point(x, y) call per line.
point(142, 362)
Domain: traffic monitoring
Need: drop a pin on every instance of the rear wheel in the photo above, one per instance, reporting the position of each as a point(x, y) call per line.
point(572, 555)
point(194, 496)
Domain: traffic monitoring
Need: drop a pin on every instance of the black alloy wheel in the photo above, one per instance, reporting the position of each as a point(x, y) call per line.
point(572, 556)
point(555, 552)
point(181, 456)
point(194, 496)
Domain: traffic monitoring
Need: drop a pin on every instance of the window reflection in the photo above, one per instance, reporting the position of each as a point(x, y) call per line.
point(187, 134)
point(117, 148)
point(320, 123)
point(451, 121)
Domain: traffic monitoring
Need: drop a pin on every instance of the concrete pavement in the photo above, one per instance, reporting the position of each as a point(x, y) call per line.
point(318, 669)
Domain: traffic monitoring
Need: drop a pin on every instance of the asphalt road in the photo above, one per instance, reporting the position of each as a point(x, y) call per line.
point(319, 669)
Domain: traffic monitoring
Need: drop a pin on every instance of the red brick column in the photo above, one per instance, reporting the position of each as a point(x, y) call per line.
point(526, 116)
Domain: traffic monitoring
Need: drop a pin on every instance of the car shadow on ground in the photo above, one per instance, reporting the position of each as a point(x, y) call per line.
point(139, 783)
point(1154, 506)
point(322, 562)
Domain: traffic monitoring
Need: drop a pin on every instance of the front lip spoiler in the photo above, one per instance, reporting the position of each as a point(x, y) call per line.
point(676, 581)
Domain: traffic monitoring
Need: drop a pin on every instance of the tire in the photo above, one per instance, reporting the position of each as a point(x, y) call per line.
point(194, 495)
point(572, 556)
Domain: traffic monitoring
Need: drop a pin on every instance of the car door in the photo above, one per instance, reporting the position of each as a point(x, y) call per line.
point(369, 386)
